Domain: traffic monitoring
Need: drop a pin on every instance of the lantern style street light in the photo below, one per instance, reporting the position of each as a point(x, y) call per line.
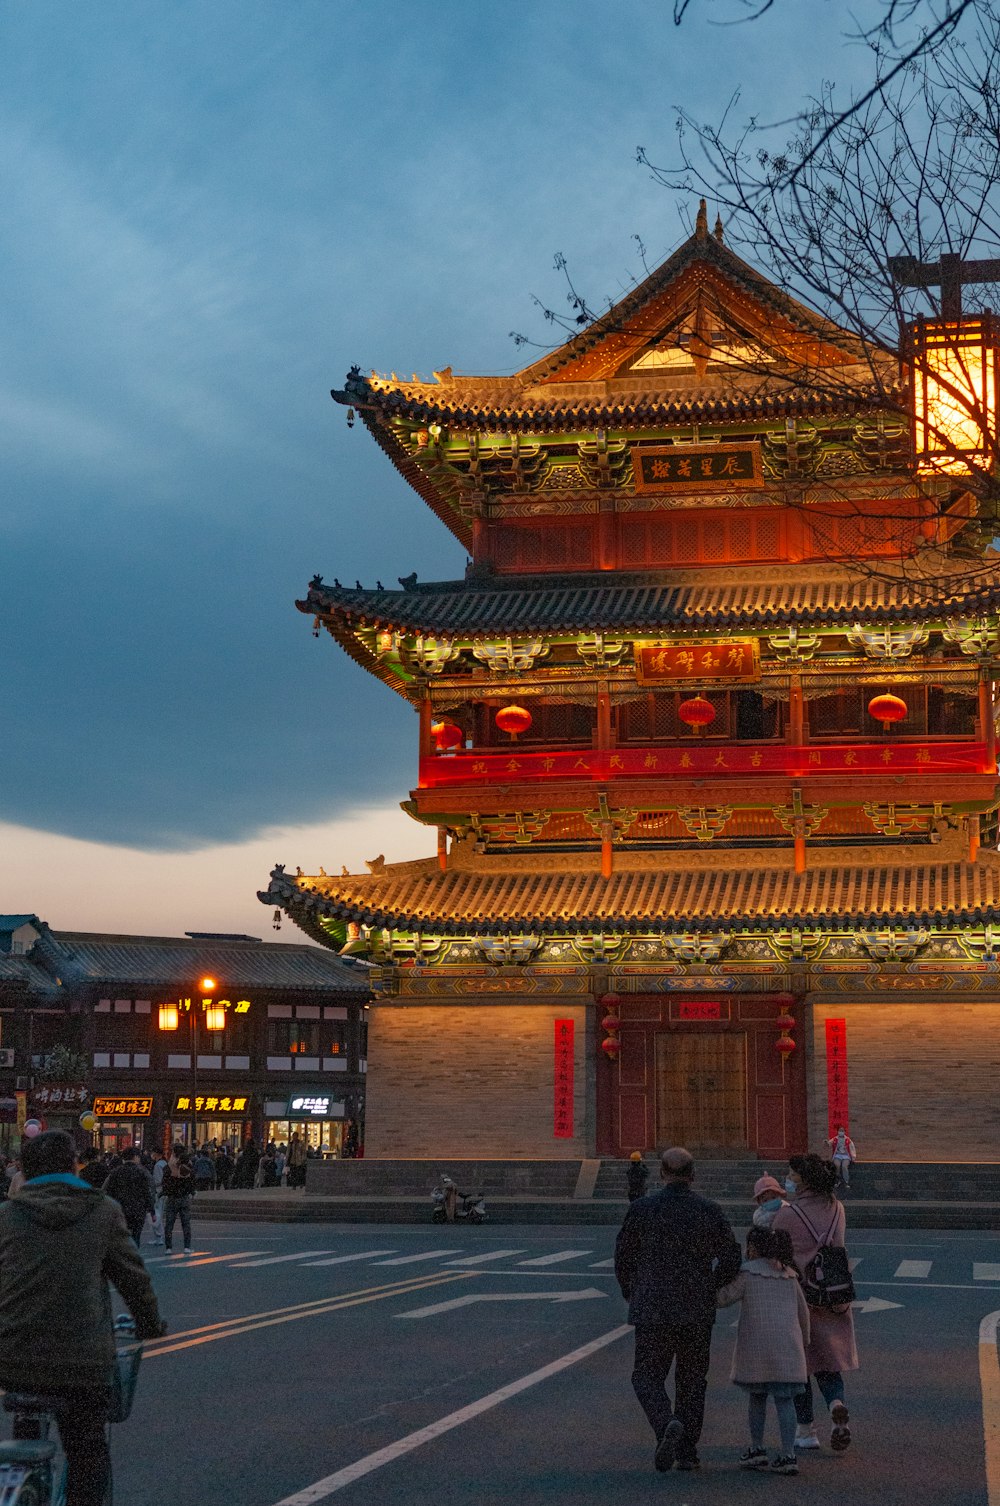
point(215, 1022)
point(953, 371)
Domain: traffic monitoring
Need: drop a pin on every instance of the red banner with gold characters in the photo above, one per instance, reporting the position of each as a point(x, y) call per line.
point(701, 759)
point(836, 1076)
point(562, 1128)
point(674, 663)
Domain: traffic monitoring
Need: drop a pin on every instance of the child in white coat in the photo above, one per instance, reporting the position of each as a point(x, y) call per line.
point(770, 1355)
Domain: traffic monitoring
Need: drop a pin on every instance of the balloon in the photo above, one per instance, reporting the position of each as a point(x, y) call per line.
point(31, 1129)
point(88, 1121)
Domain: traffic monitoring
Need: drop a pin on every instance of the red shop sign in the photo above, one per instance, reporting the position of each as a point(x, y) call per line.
point(836, 1076)
point(562, 1127)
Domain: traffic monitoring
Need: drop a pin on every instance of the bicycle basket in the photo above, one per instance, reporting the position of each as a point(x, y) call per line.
point(124, 1375)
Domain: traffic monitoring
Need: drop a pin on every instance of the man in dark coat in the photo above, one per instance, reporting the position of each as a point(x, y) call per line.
point(131, 1186)
point(674, 1251)
point(61, 1242)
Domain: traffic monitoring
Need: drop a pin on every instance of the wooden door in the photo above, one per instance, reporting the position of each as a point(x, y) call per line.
point(701, 1091)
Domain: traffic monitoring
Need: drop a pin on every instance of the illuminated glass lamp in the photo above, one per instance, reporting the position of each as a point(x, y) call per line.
point(953, 372)
point(215, 1019)
point(169, 1017)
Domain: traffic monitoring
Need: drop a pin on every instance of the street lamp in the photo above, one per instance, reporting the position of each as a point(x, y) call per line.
point(215, 1022)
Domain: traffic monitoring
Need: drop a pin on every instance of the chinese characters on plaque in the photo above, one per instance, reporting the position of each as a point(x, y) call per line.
point(697, 467)
point(836, 1076)
point(122, 1108)
point(673, 663)
point(701, 1009)
point(562, 1127)
point(60, 1096)
point(213, 1104)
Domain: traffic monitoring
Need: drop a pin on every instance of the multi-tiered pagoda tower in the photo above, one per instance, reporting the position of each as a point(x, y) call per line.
point(706, 738)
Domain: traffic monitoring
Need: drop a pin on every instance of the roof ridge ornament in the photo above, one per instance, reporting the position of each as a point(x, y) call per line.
point(701, 223)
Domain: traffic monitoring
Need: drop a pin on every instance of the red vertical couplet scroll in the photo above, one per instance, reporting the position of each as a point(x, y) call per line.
point(836, 1076)
point(563, 1080)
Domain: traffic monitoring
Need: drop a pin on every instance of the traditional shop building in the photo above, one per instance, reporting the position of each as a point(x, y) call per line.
point(706, 737)
point(282, 1046)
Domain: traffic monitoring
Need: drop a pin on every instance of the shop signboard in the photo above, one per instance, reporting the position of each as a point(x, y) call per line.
point(310, 1106)
point(214, 1104)
point(110, 1106)
point(57, 1097)
point(836, 1076)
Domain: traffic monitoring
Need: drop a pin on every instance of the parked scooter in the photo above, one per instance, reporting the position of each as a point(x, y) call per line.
point(470, 1206)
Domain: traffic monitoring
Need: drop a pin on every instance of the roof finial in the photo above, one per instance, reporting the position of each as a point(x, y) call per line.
point(718, 229)
point(701, 223)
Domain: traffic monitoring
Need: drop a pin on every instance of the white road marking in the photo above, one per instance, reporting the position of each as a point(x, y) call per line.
point(444, 1307)
point(344, 1259)
point(915, 1268)
point(874, 1305)
point(412, 1259)
point(366, 1466)
point(162, 1259)
point(181, 1264)
point(554, 1259)
point(482, 1259)
point(989, 1384)
point(252, 1265)
point(853, 1264)
point(985, 1270)
point(603, 1265)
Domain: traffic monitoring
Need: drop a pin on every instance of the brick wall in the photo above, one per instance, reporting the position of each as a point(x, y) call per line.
point(922, 1080)
point(471, 1080)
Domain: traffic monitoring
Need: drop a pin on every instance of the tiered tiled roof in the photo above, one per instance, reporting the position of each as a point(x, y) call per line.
point(490, 900)
point(159, 961)
point(649, 603)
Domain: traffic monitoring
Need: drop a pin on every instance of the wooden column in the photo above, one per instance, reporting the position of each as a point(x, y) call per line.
point(973, 838)
point(795, 711)
point(425, 727)
point(442, 849)
point(987, 724)
point(603, 715)
point(607, 851)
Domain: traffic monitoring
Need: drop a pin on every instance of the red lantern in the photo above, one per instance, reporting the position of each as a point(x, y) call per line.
point(513, 719)
point(785, 1045)
point(445, 735)
point(785, 1022)
point(611, 1001)
point(887, 709)
point(611, 1046)
point(697, 712)
point(611, 1022)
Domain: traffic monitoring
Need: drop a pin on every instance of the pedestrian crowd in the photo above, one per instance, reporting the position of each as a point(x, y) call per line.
point(678, 1262)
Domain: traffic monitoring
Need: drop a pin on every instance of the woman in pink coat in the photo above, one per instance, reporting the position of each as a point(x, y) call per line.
point(814, 1217)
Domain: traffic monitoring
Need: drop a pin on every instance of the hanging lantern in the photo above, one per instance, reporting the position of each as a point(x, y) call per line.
point(696, 713)
point(611, 1046)
point(445, 735)
point(887, 709)
point(785, 1022)
point(350, 418)
point(513, 719)
point(954, 380)
point(611, 1022)
point(784, 1044)
point(611, 1001)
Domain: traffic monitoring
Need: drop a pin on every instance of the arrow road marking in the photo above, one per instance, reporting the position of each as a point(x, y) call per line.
point(446, 1307)
point(874, 1305)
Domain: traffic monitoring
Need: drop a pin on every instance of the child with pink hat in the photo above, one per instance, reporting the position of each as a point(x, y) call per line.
point(769, 1195)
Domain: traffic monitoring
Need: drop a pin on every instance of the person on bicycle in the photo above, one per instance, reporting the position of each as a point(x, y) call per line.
point(61, 1241)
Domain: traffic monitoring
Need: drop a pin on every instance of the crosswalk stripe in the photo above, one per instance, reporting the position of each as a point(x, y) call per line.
point(913, 1268)
point(482, 1259)
point(554, 1259)
point(162, 1259)
point(603, 1265)
point(985, 1270)
point(252, 1265)
point(412, 1259)
point(182, 1264)
point(853, 1264)
point(344, 1259)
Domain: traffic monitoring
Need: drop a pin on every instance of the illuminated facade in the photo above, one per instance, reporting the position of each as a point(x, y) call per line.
point(706, 735)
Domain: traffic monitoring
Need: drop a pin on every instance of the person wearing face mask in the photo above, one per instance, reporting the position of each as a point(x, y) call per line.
point(813, 1218)
point(769, 1195)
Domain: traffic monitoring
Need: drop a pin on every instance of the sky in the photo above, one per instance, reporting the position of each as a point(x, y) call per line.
point(211, 211)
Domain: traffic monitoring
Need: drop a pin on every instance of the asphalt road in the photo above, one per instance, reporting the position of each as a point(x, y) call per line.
point(282, 1378)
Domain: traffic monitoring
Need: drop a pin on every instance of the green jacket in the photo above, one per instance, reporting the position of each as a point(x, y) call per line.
point(61, 1242)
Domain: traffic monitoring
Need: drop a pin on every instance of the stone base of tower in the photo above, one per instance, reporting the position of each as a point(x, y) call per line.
point(469, 1079)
